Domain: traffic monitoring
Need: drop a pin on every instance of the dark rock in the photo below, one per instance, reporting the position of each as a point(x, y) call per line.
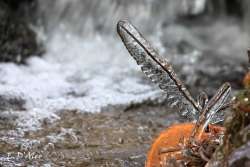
point(229, 7)
point(11, 103)
point(15, 4)
point(240, 156)
point(17, 39)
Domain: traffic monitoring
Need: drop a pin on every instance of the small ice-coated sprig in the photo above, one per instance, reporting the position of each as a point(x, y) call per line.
point(160, 71)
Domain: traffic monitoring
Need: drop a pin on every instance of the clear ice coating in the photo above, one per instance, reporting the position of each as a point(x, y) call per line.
point(161, 73)
point(158, 70)
point(217, 102)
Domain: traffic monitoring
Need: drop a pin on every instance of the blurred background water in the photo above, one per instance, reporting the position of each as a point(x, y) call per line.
point(192, 34)
point(90, 17)
point(219, 26)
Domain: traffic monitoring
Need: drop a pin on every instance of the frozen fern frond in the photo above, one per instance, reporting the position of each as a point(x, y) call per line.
point(158, 70)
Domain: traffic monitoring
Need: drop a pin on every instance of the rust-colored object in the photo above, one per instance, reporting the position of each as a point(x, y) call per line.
point(172, 141)
point(246, 80)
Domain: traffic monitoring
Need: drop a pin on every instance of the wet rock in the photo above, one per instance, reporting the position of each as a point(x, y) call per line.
point(17, 40)
point(10, 103)
point(240, 156)
point(7, 121)
point(235, 8)
point(9, 109)
point(15, 4)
